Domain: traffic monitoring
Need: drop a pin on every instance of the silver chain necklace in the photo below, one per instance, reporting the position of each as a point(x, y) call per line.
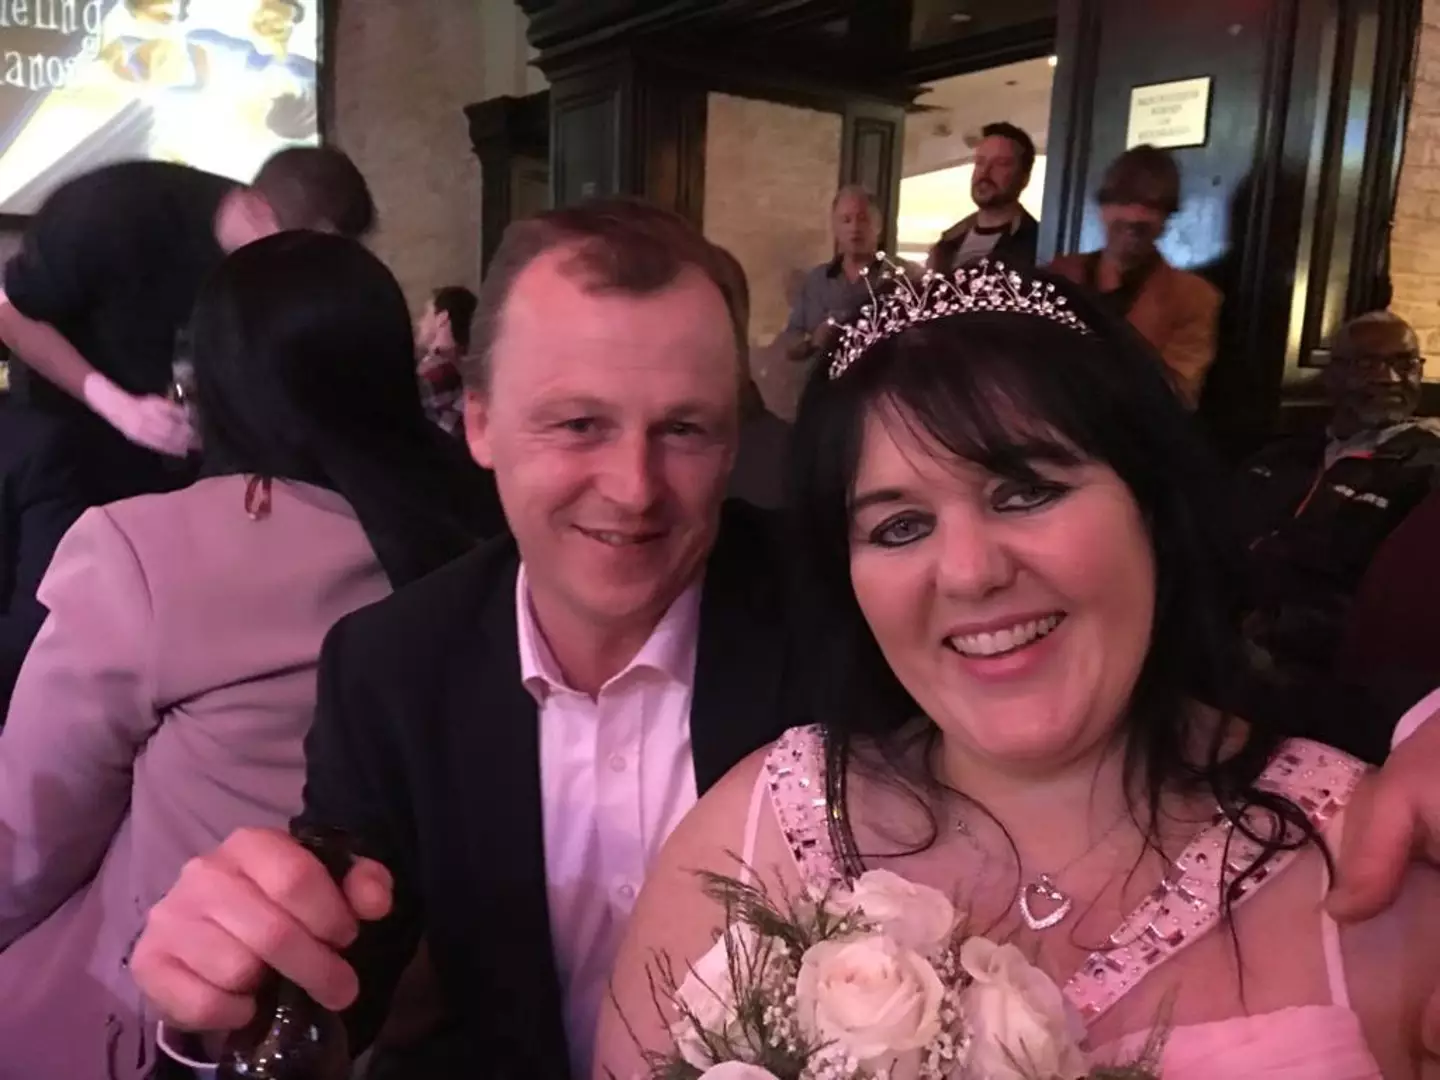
point(1043, 888)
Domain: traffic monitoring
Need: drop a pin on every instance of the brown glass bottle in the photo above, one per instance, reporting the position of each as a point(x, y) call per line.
point(292, 1036)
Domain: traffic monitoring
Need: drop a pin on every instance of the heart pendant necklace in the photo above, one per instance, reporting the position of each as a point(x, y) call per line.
point(1043, 904)
point(1044, 889)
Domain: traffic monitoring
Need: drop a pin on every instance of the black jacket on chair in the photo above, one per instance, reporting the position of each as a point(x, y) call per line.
point(426, 746)
point(39, 501)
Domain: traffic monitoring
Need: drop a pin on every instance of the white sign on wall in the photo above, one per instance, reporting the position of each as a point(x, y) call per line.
point(1171, 115)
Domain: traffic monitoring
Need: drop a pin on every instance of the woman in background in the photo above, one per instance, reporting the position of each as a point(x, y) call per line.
point(166, 700)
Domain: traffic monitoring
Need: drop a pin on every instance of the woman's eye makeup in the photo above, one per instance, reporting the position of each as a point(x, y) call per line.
point(1018, 496)
point(901, 529)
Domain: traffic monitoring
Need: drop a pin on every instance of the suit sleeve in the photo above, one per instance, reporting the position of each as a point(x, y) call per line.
point(354, 780)
point(46, 504)
point(1190, 351)
point(82, 709)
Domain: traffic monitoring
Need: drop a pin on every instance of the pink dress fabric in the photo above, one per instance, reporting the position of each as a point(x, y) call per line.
point(1312, 1042)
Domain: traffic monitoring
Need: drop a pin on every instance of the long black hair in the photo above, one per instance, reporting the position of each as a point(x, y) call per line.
point(1002, 390)
point(305, 371)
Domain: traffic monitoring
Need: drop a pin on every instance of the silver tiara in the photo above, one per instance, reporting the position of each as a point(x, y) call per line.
point(898, 301)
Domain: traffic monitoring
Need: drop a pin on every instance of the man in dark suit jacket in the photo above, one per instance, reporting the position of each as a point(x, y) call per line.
point(511, 740)
point(38, 503)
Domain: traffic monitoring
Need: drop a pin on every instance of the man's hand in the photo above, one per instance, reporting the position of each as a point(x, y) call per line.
point(258, 901)
point(152, 422)
point(1393, 820)
point(824, 336)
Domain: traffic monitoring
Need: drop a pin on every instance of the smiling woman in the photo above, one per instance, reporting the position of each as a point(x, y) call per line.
point(1016, 601)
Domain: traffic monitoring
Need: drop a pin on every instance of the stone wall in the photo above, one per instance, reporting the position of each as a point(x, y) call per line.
point(1415, 243)
point(401, 82)
point(770, 174)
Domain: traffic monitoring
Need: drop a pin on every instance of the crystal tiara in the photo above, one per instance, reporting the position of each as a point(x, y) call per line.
point(898, 301)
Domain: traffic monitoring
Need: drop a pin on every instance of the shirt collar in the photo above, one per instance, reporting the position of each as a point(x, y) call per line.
point(1367, 442)
point(836, 266)
point(669, 651)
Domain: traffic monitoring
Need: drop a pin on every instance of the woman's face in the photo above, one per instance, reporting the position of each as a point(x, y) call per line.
point(1017, 614)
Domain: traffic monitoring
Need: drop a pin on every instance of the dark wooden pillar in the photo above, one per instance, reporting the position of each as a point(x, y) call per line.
point(873, 154)
point(511, 137)
point(625, 122)
point(1287, 206)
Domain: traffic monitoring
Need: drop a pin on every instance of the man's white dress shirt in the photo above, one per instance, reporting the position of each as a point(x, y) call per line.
point(616, 776)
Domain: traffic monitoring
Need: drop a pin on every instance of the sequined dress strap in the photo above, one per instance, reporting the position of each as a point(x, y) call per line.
point(1187, 903)
point(795, 773)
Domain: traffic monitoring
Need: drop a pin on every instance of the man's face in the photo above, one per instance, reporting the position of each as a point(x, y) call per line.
point(856, 226)
point(1377, 378)
point(610, 422)
point(274, 21)
point(1131, 232)
point(998, 179)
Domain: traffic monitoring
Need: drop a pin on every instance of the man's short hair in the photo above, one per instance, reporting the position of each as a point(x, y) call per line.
point(1145, 175)
point(860, 191)
point(135, 7)
point(1346, 344)
point(1017, 135)
point(316, 187)
point(618, 245)
point(459, 303)
point(297, 8)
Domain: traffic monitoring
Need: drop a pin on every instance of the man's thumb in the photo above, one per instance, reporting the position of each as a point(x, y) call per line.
point(1380, 830)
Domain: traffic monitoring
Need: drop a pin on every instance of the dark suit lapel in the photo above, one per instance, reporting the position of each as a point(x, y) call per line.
point(739, 702)
point(502, 773)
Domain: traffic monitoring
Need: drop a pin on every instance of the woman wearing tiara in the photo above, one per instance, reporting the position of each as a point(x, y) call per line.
point(1008, 535)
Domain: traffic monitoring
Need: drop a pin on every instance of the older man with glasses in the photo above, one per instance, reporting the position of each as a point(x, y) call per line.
point(1313, 509)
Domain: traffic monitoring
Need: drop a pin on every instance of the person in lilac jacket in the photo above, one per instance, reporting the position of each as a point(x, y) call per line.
point(167, 696)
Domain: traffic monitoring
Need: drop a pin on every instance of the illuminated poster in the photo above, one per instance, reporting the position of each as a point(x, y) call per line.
point(218, 84)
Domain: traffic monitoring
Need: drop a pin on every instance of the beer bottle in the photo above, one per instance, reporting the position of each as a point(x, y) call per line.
point(292, 1037)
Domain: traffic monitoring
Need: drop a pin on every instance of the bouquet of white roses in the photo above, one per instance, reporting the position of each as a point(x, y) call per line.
point(872, 982)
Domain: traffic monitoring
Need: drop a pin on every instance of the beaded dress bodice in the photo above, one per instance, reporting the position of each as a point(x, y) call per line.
point(1306, 1043)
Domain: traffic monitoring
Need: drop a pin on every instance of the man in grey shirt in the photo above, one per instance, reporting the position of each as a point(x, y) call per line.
point(836, 288)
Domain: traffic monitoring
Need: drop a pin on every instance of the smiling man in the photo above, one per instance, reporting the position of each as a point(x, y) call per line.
point(514, 738)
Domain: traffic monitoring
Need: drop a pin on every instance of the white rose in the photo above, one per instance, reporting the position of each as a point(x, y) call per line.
point(1020, 1022)
point(916, 916)
point(737, 1070)
point(708, 992)
point(869, 995)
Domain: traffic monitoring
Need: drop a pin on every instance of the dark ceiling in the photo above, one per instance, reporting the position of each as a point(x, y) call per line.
point(942, 22)
point(882, 35)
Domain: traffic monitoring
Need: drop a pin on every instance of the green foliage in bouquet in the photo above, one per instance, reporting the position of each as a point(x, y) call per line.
point(782, 995)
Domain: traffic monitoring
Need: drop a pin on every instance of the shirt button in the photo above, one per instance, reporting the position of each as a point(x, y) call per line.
point(626, 891)
point(618, 763)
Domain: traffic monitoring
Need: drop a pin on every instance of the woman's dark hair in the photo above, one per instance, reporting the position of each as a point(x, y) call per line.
point(305, 371)
point(1005, 390)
